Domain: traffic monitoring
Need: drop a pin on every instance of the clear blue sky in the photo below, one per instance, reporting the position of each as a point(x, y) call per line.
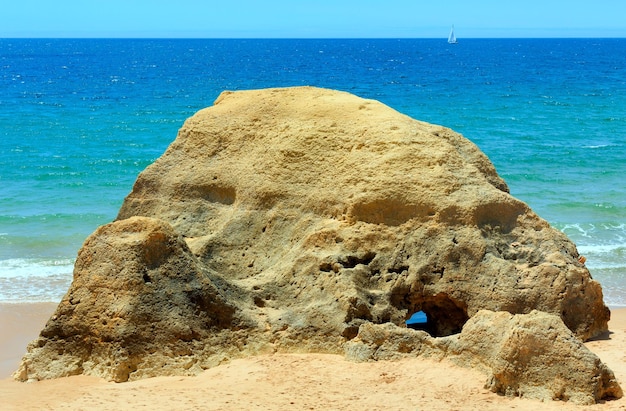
point(312, 18)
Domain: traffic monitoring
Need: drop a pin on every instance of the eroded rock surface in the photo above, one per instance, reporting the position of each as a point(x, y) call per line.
point(286, 219)
point(528, 355)
point(139, 304)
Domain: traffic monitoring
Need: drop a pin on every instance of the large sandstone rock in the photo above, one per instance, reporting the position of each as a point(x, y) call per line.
point(285, 219)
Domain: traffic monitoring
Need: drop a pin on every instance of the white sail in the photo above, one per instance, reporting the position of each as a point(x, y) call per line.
point(452, 37)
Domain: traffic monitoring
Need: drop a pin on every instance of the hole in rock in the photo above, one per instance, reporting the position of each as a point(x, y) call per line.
point(439, 315)
point(419, 321)
point(351, 261)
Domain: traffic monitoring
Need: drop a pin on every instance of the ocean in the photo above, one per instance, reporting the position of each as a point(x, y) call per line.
point(80, 118)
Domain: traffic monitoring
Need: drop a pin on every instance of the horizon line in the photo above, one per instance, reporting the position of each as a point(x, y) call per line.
point(300, 38)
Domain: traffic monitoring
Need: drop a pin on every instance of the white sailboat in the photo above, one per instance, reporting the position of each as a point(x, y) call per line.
point(452, 37)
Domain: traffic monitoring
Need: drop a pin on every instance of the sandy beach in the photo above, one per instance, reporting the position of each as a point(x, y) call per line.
point(278, 382)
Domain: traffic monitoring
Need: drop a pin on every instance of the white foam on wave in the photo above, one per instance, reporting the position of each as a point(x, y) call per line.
point(602, 249)
point(603, 267)
point(599, 146)
point(578, 230)
point(35, 267)
point(606, 257)
point(588, 228)
point(34, 280)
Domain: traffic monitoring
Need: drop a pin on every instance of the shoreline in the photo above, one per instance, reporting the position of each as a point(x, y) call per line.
point(279, 381)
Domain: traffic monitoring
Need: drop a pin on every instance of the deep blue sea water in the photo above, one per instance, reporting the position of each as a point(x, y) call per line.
point(79, 119)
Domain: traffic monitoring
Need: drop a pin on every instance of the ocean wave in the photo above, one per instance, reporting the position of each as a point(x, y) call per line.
point(596, 234)
point(34, 289)
point(602, 249)
point(28, 268)
point(608, 206)
point(34, 280)
point(596, 266)
point(596, 146)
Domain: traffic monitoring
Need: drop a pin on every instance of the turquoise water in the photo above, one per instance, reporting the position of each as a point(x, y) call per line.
point(79, 119)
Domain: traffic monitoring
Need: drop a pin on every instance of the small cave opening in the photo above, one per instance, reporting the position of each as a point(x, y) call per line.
point(419, 321)
point(439, 315)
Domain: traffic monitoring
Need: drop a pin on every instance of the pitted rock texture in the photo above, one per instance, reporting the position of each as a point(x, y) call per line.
point(377, 214)
point(137, 291)
point(284, 220)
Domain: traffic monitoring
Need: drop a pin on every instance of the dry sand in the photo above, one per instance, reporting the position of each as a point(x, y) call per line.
point(278, 382)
